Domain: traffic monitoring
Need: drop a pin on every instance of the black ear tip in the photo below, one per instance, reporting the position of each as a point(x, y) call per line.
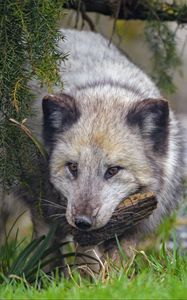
point(163, 106)
point(163, 103)
point(49, 104)
point(60, 99)
point(46, 100)
point(49, 98)
point(155, 106)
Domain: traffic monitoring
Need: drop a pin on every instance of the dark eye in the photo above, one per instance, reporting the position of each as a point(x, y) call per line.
point(73, 168)
point(112, 172)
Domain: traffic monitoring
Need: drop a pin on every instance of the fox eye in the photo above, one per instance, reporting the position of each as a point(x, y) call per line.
point(112, 172)
point(73, 168)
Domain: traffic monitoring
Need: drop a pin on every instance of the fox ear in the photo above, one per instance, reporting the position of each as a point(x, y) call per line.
point(152, 117)
point(59, 114)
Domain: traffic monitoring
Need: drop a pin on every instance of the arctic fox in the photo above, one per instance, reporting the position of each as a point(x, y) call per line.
point(108, 134)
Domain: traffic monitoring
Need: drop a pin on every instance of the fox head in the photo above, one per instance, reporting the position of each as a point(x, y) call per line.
point(103, 151)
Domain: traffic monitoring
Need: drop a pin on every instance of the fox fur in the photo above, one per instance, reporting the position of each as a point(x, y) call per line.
point(110, 114)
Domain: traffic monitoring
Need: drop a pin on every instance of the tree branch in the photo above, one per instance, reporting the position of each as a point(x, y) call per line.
point(133, 9)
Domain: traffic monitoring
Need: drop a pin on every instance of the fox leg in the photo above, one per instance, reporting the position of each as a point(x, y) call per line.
point(115, 254)
point(89, 259)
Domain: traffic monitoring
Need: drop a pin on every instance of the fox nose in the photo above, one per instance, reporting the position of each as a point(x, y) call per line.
point(83, 222)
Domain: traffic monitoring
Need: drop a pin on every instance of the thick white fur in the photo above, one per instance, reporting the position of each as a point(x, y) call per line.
point(91, 60)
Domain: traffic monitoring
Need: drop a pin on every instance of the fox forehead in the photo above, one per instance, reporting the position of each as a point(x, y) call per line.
point(110, 144)
point(102, 125)
point(95, 131)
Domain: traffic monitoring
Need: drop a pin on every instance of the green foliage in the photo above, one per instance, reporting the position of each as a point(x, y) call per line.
point(162, 42)
point(25, 260)
point(20, 261)
point(157, 275)
point(28, 49)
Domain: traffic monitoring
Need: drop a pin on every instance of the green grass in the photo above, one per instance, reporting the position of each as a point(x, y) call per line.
point(153, 274)
point(156, 275)
point(150, 283)
point(146, 286)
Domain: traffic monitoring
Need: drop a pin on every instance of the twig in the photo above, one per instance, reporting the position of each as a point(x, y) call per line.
point(135, 10)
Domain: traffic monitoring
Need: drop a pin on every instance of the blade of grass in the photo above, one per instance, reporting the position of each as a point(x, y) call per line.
point(35, 258)
point(53, 248)
point(23, 256)
point(13, 225)
point(122, 253)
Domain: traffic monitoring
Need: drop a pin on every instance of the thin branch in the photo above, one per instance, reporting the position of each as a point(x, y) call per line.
point(134, 9)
